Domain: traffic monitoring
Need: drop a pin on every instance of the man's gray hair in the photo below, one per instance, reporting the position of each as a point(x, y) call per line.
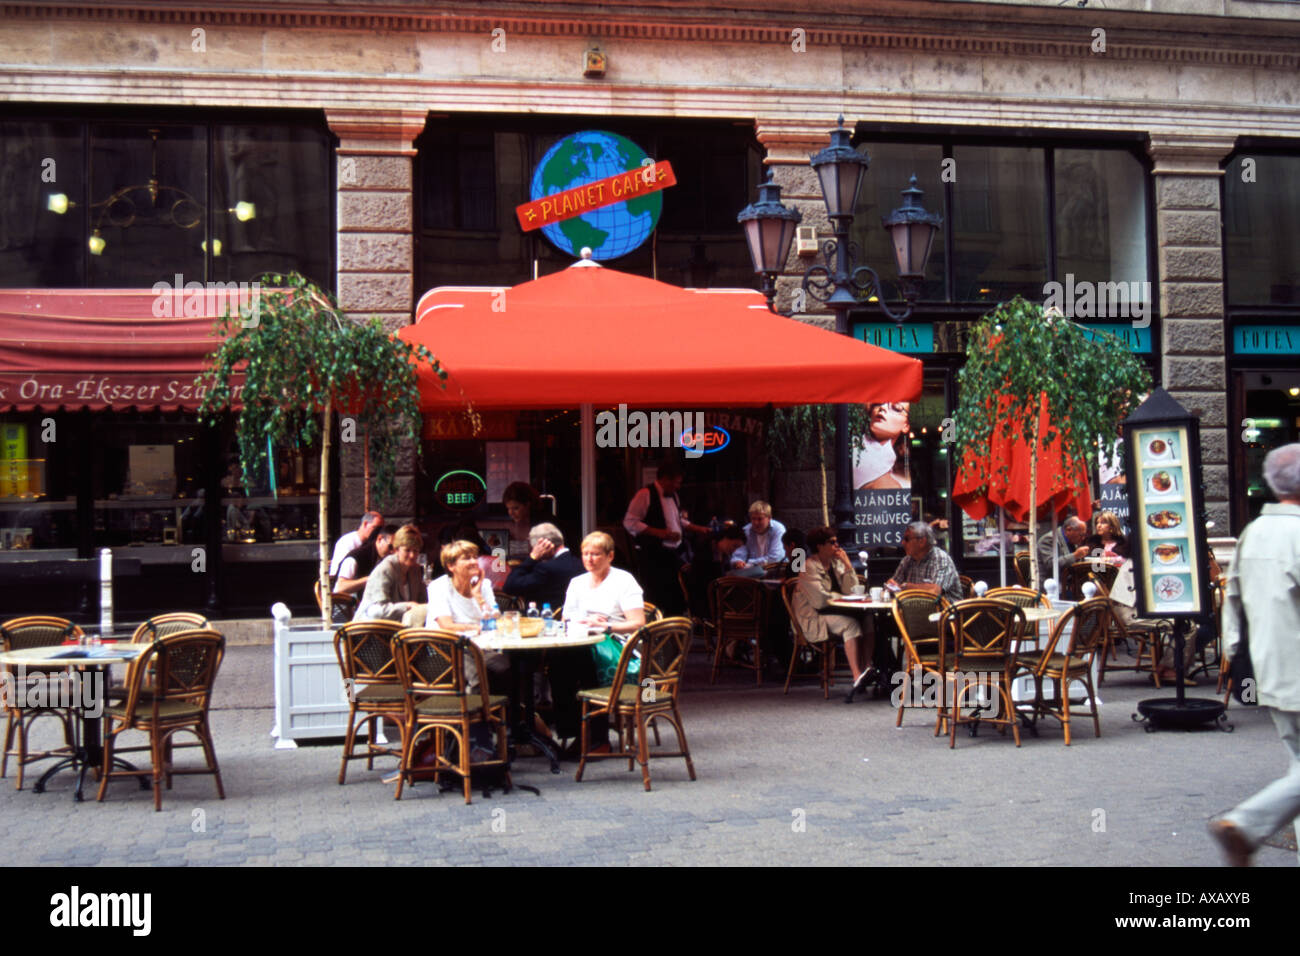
point(1282, 470)
point(1074, 521)
point(923, 529)
point(545, 531)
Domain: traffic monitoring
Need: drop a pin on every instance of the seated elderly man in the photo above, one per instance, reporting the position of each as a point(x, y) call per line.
point(1069, 545)
point(762, 541)
point(545, 574)
point(926, 566)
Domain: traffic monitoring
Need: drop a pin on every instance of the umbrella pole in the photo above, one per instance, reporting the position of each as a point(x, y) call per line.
point(587, 474)
point(1002, 548)
point(1056, 551)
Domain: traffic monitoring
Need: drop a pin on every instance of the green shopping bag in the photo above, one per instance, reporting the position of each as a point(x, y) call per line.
point(606, 655)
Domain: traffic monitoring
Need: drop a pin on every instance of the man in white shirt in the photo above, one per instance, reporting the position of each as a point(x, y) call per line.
point(371, 522)
point(762, 539)
point(1262, 609)
point(654, 520)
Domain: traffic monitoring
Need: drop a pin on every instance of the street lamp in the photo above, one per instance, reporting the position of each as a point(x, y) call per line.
point(769, 230)
point(840, 282)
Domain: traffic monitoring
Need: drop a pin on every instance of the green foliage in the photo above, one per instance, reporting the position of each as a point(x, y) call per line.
point(793, 435)
point(1015, 351)
point(300, 355)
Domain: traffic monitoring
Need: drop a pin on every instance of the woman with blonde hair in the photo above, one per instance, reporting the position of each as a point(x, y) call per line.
point(396, 584)
point(462, 599)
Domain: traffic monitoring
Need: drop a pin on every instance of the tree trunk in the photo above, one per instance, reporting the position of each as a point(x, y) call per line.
point(365, 471)
point(1035, 571)
point(327, 610)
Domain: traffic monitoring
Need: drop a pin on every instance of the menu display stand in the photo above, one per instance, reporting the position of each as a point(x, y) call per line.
point(1162, 454)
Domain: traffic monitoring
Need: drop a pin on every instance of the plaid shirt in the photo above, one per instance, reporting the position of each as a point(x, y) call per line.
point(935, 568)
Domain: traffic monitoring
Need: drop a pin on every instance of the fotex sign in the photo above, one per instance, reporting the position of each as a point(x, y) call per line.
point(599, 190)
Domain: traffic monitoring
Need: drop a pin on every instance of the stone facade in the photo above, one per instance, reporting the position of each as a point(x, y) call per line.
point(1190, 77)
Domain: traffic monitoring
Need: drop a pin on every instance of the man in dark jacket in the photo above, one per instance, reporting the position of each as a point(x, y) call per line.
point(544, 577)
point(545, 574)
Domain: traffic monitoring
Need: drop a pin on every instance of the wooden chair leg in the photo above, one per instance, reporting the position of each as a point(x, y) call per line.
point(466, 772)
point(349, 741)
point(110, 739)
point(788, 674)
point(156, 754)
point(643, 753)
point(681, 740)
point(583, 737)
point(210, 755)
point(8, 743)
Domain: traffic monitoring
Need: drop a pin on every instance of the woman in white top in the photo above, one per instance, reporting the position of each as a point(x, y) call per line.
point(462, 598)
point(605, 594)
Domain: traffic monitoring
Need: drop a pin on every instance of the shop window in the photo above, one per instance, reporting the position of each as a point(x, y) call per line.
point(999, 223)
point(39, 249)
point(1271, 420)
point(472, 178)
point(1101, 216)
point(892, 166)
point(37, 484)
point(459, 180)
point(127, 204)
point(1261, 196)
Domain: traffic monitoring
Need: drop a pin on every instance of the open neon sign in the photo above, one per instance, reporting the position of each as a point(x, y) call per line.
point(712, 439)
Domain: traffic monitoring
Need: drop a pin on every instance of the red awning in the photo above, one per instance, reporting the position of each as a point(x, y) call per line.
point(591, 334)
point(104, 348)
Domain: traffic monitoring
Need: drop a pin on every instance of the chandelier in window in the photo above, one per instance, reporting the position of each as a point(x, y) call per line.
point(172, 206)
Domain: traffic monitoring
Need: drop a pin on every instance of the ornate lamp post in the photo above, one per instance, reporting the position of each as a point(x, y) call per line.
point(840, 282)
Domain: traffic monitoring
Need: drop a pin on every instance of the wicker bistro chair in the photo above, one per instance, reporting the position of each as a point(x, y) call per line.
point(18, 634)
point(1087, 624)
point(1020, 560)
point(431, 665)
point(652, 613)
point(739, 617)
point(348, 602)
point(981, 632)
point(699, 626)
point(1149, 634)
point(634, 702)
point(920, 635)
point(162, 625)
point(365, 653)
point(824, 652)
point(184, 667)
point(967, 586)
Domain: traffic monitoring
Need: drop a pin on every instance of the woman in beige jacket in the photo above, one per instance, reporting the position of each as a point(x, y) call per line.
point(826, 574)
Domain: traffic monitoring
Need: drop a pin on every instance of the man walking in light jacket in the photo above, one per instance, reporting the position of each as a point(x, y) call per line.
point(1264, 585)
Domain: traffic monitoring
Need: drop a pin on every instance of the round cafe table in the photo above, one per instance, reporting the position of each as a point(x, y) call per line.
point(88, 751)
point(525, 723)
point(869, 609)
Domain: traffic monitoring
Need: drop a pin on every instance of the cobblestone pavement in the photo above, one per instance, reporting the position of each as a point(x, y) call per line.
point(782, 780)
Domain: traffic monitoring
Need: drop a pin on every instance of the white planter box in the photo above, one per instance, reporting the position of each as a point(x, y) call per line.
point(310, 701)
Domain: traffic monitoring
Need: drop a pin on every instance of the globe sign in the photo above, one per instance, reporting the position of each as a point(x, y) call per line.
point(610, 231)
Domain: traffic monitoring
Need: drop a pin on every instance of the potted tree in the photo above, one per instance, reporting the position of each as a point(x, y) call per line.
point(1023, 366)
point(303, 361)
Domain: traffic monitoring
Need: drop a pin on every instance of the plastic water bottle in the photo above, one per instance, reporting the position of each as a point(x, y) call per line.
point(532, 610)
point(489, 620)
point(548, 621)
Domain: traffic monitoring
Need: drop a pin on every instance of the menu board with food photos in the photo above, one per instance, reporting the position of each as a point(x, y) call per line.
point(1163, 521)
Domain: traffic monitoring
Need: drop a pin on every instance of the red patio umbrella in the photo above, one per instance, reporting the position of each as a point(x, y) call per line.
point(1062, 483)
